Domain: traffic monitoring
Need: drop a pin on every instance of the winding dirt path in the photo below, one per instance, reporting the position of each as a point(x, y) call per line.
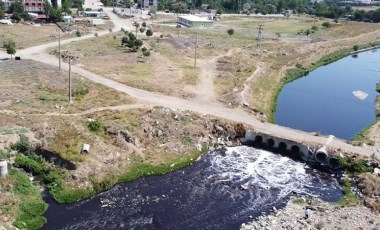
point(260, 70)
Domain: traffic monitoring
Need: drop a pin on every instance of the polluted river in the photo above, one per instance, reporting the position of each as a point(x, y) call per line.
point(225, 188)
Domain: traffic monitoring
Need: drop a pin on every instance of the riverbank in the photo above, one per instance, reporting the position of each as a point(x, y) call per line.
point(323, 215)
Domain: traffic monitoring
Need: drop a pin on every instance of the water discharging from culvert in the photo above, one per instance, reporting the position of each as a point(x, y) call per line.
point(220, 191)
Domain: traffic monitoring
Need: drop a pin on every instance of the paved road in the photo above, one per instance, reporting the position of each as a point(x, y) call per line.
point(37, 53)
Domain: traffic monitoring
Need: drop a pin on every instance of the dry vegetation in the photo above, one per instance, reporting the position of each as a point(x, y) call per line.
point(369, 184)
point(33, 88)
point(28, 35)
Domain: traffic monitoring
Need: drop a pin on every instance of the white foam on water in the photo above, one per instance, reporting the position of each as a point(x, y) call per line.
point(253, 168)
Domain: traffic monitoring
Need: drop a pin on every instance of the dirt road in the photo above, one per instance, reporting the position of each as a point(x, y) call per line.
point(207, 107)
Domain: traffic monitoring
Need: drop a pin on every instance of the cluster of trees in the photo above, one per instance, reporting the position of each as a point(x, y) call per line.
point(324, 9)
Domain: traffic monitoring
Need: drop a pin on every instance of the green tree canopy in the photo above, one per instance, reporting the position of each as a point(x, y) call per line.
point(10, 47)
point(66, 5)
point(2, 9)
point(17, 9)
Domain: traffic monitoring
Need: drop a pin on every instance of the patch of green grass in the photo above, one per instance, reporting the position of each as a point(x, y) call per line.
point(362, 136)
point(139, 168)
point(319, 225)
point(5, 130)
point(349, 199)
point(4, 155)
point(31, 206)
point(187, 141)
point(354, 166)
point(298, 201)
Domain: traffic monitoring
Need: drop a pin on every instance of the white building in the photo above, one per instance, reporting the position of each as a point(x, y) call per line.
point(150, 3)
point(194, 21)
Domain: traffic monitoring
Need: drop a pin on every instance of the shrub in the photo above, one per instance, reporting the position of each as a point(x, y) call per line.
point(96, 34)
point(326, 24)
point(4, 155)
point(145, 51)
point(355, 166)
point(78, 33)
point(355, 47)
point(28, 164)
point(80, 92)
point(22, 145)
point(95, 125)
point(149, 33)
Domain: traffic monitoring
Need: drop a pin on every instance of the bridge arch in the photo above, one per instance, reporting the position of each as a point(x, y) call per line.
point(282, 146)
point(270, 142)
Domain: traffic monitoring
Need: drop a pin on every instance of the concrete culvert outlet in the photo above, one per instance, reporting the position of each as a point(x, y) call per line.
point(282, 146)
point(321, 155)
point(270, 142)
point(258, 139)
point(333, 163)
point(295, 149)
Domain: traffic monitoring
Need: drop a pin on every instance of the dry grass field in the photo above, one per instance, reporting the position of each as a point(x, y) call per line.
point(33, 88)
point(28, 35)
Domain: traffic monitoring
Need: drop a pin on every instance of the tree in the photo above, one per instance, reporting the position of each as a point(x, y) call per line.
point(149, 33)
point(2, 9)
point(47, 8)
point(66, 5)
point(230, 32)
point(17, 10)
point(10, 47)
point(137, 25)
point(131, 41)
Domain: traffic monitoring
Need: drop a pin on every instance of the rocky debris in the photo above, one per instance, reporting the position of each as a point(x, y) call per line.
point(239, 130)
point(323, 215)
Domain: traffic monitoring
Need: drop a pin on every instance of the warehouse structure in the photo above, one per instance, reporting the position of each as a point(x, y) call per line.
point(194, 21)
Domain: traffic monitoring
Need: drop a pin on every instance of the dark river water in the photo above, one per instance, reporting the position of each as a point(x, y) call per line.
point(221, 191)
point(324, 101)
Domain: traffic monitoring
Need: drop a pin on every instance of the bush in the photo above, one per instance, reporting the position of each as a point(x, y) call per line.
point(28, 164)
point(145, 52)
point(4, 155)
point(31, 206)
point(326, 24)
point(23, 145)
point(95, 125)
point(354, 166)
point(355, 47)
point(80, 92)
point(78, 33)
point(149, 33)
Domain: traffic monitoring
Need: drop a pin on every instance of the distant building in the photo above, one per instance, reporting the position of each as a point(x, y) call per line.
point(7, 4)
point(194, 21)
point(35, 6)
point(179, 5)
point(150, 3)
point(363, 1)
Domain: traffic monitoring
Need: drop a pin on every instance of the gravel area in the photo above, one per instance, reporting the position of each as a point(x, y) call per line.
point(323, 215)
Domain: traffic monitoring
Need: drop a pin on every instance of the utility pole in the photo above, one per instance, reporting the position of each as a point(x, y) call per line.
point(260, 36)
point(178, 25)
point(195, 53)
point(59, 46)
point(70, 98)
